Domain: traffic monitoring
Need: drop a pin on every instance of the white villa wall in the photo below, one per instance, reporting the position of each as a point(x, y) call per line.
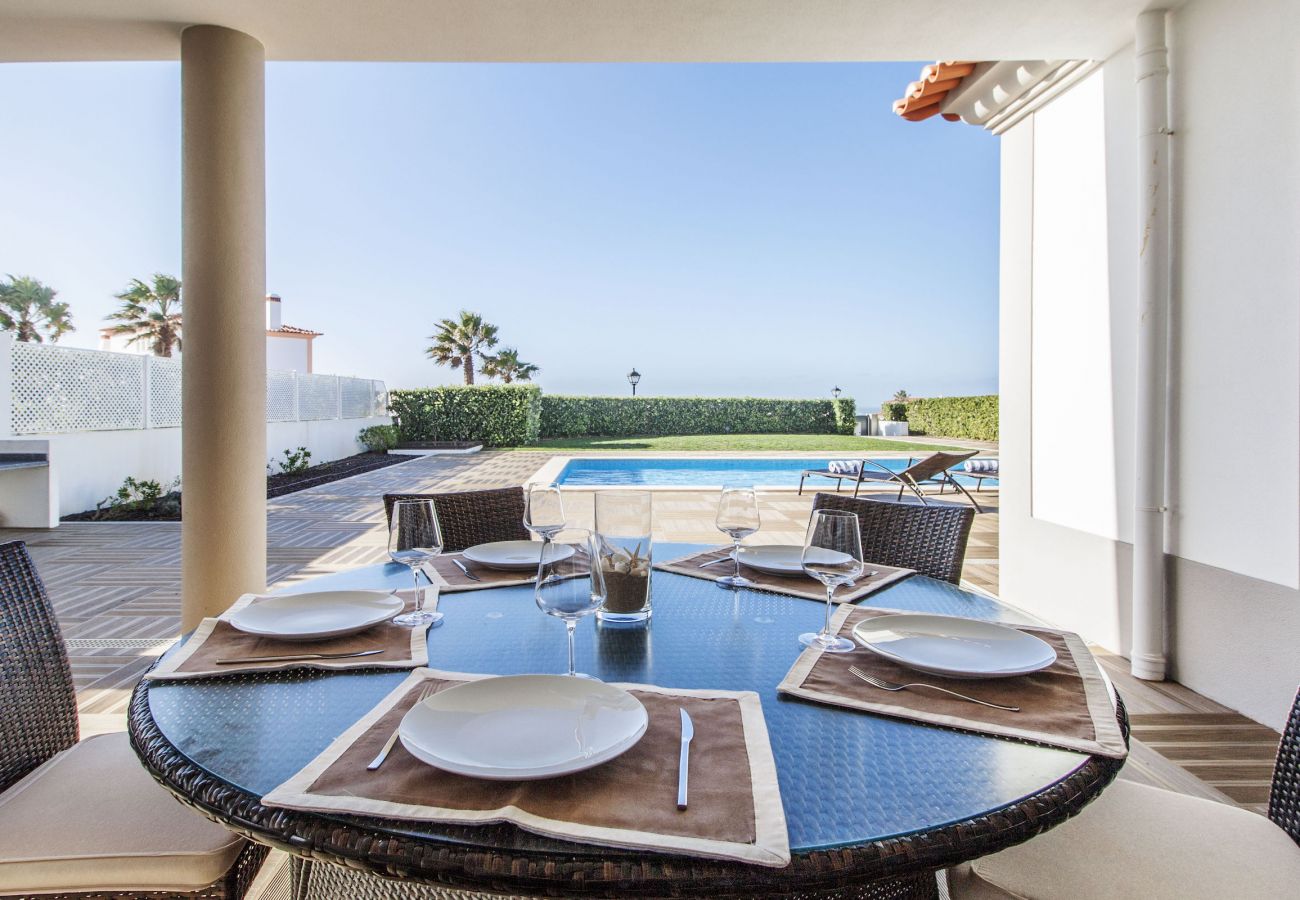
point(287, 354)
point(90, 465)
point(1234, 545)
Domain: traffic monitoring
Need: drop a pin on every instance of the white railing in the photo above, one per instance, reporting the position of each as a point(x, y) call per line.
point(56, 390)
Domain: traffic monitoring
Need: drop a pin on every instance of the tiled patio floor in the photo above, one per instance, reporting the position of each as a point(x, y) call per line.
point(116, 590)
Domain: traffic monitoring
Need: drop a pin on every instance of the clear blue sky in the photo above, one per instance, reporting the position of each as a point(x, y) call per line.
point(766, 230)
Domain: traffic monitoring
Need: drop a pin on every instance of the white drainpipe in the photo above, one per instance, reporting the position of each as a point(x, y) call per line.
point(1148, 646)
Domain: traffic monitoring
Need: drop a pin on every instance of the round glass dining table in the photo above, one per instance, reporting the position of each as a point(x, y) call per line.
point(873, 804)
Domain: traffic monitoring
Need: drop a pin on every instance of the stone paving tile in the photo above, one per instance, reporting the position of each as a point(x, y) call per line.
point(116, 586)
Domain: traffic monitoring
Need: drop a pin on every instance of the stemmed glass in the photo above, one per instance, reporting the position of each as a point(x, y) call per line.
point(415, 538)
point(570, 585)
point(544, 510)
point(737, 517)
point(832, 553)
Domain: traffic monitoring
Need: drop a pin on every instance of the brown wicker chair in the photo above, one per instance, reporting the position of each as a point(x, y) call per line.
point(1143, 841)
point(929, 539)
point(39, 727)
point(473, 517)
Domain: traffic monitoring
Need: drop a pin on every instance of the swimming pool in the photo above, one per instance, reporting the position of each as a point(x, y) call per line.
point(709, 472)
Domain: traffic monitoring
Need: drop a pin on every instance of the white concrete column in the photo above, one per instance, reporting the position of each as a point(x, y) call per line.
point(223, 444)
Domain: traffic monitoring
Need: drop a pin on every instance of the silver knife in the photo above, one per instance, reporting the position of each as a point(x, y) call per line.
point(684, 761)
point(294, 657)
point(727, 558)
point(468, 574)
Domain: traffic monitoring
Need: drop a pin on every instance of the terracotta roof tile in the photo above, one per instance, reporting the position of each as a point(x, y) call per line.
point(924, 96)
point(290, 329)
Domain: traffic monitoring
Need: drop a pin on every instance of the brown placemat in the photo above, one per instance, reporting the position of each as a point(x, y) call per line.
point(403, 648)
point(452, 580)
point(1066, 705)
point(734, 812)
point(794, 586)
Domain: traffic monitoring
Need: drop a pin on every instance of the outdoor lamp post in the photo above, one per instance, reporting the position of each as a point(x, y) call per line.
point(835, 392)
point(634, 378)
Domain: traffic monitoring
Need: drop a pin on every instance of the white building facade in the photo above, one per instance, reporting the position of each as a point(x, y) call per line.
point(1072, 237)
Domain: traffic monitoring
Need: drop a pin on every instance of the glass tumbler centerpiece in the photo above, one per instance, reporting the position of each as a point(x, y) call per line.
point(570, 583)
point(623, 533)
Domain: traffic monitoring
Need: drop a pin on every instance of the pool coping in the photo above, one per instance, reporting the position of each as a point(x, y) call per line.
point(551, 469)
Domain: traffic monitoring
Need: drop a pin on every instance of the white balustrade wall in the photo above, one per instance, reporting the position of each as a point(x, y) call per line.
point(106, 415)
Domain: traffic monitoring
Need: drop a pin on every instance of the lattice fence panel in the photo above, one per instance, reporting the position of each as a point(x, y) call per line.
point(164, 392)
point(58, 389)
point(318, 397)
point(358, 397)
point(380, 393)
point(281, 398)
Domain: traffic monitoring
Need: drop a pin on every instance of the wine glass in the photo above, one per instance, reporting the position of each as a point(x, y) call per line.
point(414, 538)
point(570, 582)
point(543, 510)
point(832, 553)
point(737, 517)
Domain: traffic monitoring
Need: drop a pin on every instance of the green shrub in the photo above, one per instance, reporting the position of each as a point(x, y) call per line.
point(140, 496)
point(295, 461)
point(563, 416)
point(975, 418)
point(378, 438)
point(894, 411)
point(499, 415)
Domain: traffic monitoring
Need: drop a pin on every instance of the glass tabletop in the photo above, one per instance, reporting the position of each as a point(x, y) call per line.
point(846, 778)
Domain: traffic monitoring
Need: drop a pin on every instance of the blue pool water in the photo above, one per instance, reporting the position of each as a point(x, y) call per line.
point(772, 472)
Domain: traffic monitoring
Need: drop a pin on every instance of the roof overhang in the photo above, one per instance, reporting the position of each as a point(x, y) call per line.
point(577, 30)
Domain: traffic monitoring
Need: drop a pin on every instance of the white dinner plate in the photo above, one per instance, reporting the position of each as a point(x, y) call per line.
point(953, 646)
point(783, 559)
point(523, 727)
point(316, 614)
point(514, 556)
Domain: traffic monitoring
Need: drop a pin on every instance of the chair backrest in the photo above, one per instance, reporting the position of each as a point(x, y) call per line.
point(929, 539)
point(473, 517)
point(38, 705)
point(1284, 797)
point(935, 463)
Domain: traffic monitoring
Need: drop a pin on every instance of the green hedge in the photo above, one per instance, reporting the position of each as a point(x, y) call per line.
point(653, 416)
point(975, 418)
point(499, 415)
point(893, 411)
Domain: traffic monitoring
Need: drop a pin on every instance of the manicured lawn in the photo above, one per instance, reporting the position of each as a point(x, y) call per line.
point(811, 443)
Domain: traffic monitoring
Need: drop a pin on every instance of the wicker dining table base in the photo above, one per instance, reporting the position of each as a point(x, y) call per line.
point(325, 881)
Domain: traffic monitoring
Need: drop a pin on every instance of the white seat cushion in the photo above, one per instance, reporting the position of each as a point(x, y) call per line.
point(1142, 843)
point(92, 818)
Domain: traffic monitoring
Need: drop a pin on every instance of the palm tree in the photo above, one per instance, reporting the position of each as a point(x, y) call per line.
point(151, 314)
point(901, 397)
point(29, 308)
point(506, 365)
point(456, 343)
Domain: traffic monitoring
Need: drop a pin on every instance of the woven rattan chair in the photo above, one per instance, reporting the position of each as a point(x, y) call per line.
point(1137, 841)
point(473, 517)
point(929, 539)
point(933, 469)
point(84, 819)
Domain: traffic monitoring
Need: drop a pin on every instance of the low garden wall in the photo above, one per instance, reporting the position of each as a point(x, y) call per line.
point(515, 415)
point(973, 418)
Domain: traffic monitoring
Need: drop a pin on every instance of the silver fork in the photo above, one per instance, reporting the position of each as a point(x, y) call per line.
point(428, 691)
point(893, 686)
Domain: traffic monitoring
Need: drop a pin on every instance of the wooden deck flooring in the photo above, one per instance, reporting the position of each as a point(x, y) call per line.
point(116, 591)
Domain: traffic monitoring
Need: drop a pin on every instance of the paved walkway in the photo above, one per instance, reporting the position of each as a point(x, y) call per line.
point(116, 586)
point(116, 591)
